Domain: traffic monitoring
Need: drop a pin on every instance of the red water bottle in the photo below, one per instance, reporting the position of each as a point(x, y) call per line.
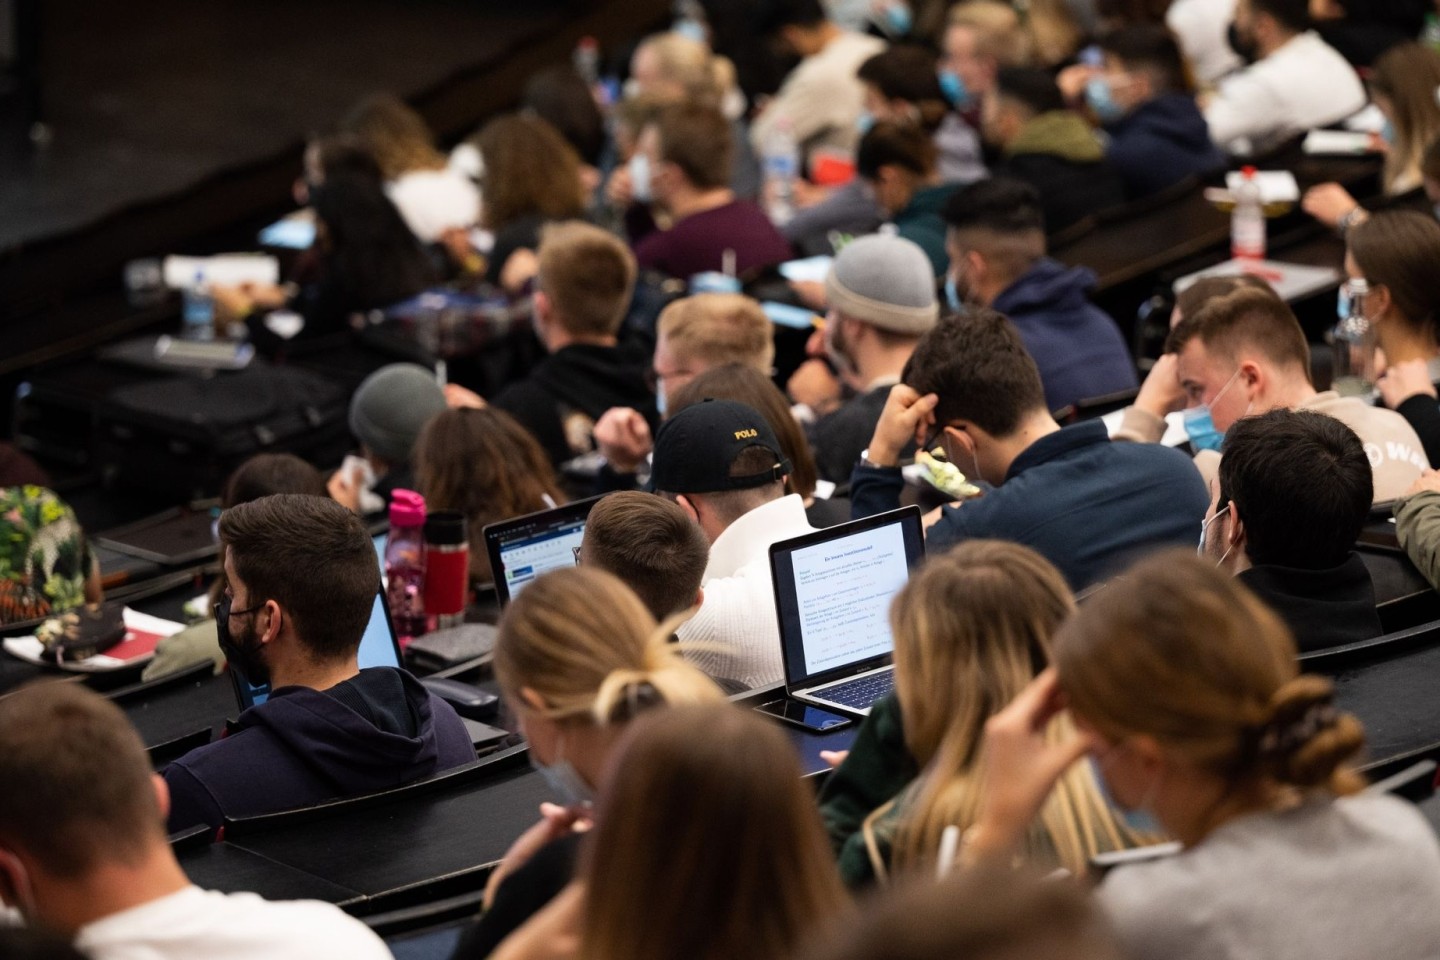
point(447, 568)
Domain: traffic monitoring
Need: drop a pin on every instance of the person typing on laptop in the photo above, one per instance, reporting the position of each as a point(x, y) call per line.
point(720, 461)
point(1084, 503)
point(302, 581)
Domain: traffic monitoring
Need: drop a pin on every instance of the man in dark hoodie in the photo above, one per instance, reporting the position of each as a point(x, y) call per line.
point(1050, 147)
point(302, 581)
point(583, 288)
point(1142, 97)
point(1295, 489)
point(996, 243)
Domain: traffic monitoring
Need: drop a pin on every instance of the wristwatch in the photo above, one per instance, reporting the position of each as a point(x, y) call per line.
point(865, 461)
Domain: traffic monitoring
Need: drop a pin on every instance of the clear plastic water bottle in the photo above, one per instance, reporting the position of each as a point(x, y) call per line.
point(199, 310)
point(781, 163)
point(587, 60)
point(405, 565)
point(1247, 222)
point(1352, 343)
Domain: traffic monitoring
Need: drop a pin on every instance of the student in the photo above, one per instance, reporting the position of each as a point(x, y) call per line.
point(484, 464)
point(897, 160)
point(682, 166)
point(1143, 99)
point(1183, 688)
point(821, 99)
point(1293, 493)
point(722, 463)
point(584, 287)
point(1051, 148)
point(676, 781)
point(1243, 354)
point(577, 657)
point(981, 914)
point(981, 37)
point(433, 196)
point(881, 298)
point(387, 412)
point(532, 178)
point(694, 334)
point(1395, 253)
point(1294, 80)
point(1417, 525)
point(301, 582)
point(1084, 503)
point(1402, 87)
point(84, 853)
point(902, 84)
point(46, 565)
point(1202, 29)
point(746, 385)
point(996, 242)
point(652, 546)
point(971, 630)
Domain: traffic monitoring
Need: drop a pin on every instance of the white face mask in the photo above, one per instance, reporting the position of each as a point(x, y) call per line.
point(639, 167)
point(563, 780)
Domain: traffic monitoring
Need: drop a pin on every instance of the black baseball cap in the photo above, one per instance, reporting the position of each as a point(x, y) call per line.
point(695, 449)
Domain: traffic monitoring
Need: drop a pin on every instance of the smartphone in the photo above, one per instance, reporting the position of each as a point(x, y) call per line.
point(805, 716)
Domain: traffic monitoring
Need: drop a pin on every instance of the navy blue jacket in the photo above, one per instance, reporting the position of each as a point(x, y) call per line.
point(303, 746)
point(1088, 505)
point(1076, 345)
point(1161, 143)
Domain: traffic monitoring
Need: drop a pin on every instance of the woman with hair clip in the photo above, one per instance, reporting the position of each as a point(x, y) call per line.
point(971, 631)
point(1390, 262)
point(706, 846)
point(745, 384)
point(483, 463)
point(1405, 87)
point(1183, 690)
point(577, 657)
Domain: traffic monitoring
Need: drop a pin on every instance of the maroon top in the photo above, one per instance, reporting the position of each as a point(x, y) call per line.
point(698, 242)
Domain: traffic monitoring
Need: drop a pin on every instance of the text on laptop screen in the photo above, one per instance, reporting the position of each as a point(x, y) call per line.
point(843, 589)
point(526, 558)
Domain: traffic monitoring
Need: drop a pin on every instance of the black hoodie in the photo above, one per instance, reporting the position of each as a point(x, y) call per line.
point(302, 746)
point(568, 391)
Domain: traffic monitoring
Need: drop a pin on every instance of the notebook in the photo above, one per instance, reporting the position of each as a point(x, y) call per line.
point(833, 590)
point(523, 548)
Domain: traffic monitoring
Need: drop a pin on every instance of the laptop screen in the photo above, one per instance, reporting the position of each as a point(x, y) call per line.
point(524, 548)
point(833, 591)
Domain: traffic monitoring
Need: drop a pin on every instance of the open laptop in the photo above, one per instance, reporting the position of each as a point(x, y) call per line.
point(525, 547)
point(378, 648)
point(832, 594)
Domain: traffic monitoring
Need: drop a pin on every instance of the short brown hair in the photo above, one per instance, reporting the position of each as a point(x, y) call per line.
point(898, 144)
point(696, 138)
point(1202, 291)
point(650, 544)
point(312, 557)
point(719, 328)
point(588, 274)
point(78, 787)
point(1246, 317)
point(978, 366)
point(529, 171)
point(1398, 250)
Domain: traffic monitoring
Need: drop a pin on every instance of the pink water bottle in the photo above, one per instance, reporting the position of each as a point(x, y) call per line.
point(405, 565)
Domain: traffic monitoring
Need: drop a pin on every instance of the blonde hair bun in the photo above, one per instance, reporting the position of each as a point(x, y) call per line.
point(1306, 740)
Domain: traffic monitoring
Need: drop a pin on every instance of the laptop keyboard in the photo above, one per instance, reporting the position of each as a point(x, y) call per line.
point(861, 692)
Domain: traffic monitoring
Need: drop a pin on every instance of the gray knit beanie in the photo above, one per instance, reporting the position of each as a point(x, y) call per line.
point(390, 408)
point(885, 281)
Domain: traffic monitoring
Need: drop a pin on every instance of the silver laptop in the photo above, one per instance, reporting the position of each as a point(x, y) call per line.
point(833, 590)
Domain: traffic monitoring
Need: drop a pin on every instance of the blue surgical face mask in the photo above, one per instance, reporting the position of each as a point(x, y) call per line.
point(865, 122)
point(639, 167)
point(567, 785)
point(952, 85)
point(1200, 425)
point(898, 20)
point(1101, 98)
point(660, 404)
point(1137, 820)
point(952, 294)
point(1387, 132)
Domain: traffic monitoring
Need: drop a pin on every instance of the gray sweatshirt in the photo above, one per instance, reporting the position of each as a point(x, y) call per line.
point(1347, 879)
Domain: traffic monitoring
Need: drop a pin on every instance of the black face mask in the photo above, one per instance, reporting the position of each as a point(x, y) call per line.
point(1245, 47)
point(242, 652)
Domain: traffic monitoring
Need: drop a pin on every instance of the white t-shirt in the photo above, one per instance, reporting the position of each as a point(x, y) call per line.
point(1303, 85)
point(433, 201)
point(738, 615)
point(821, 99)
point(1202, 28)
point(196, 924)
